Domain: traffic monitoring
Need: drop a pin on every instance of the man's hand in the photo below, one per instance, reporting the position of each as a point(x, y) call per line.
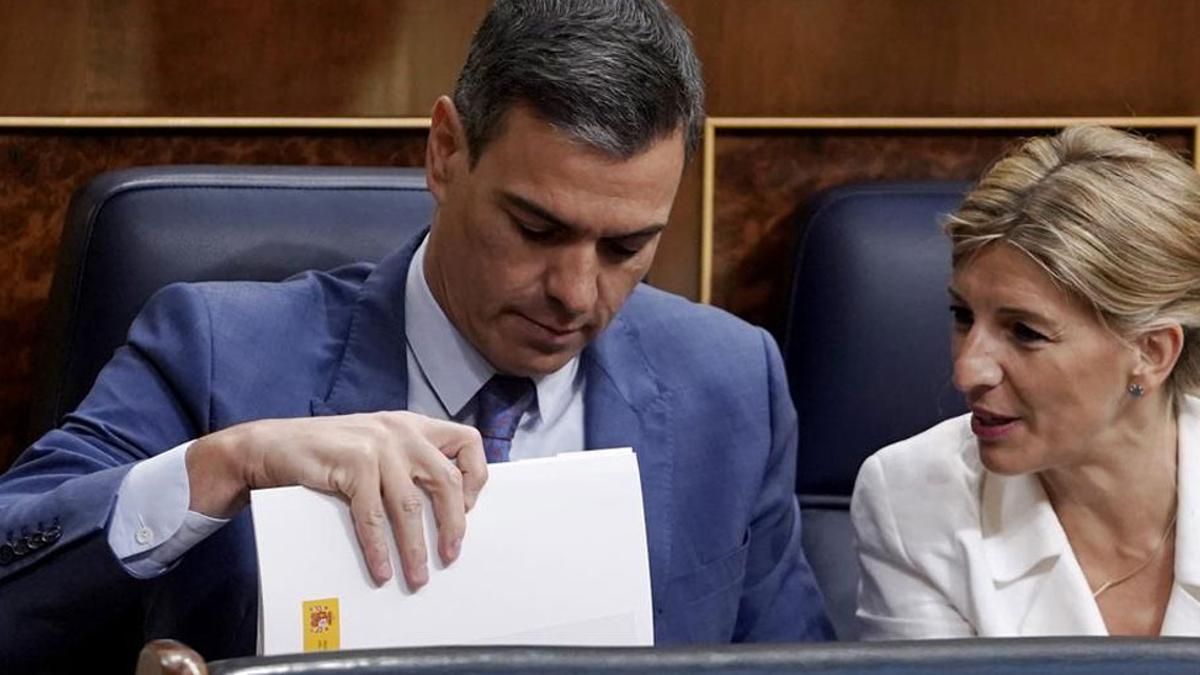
point(379, 461)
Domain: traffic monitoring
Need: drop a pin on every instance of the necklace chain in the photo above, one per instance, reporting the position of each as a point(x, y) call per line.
point(1142, 565)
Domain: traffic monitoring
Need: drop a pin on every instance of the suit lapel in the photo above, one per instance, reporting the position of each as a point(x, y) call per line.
point(623, 406)
point(1037, 579)
point(1183, 609)
point(373, 372)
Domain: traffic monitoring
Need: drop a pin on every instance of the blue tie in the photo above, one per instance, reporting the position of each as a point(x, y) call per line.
point(502, 402)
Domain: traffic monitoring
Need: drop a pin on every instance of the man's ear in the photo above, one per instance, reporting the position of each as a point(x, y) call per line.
point(1158, 350)
point(446, 152)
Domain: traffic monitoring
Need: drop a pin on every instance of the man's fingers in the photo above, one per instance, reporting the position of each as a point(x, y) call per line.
point(404, 506)
point(472, 463)
point(370, 526)
point(357, 477)
point(463, 445)
point(443, 482)
point(383, 474)
point(445, 434)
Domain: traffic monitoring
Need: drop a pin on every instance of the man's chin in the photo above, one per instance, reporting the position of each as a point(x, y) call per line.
point(532, 361)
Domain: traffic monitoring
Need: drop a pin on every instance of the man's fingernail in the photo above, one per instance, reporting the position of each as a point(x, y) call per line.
point(455, 548)
point(383, 571)
point(420, 576)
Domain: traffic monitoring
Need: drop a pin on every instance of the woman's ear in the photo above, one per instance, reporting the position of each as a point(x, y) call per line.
point(446, 152)
point(1158, 350)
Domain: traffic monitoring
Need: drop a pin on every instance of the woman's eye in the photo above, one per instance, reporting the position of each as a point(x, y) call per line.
point(1024, 333)
point(961, 315)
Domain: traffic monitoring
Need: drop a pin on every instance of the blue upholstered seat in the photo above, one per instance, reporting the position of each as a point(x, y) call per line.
point(129, 233)
point(867, 351)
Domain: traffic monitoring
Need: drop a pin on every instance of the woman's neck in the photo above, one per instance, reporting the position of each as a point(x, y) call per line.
point(1124, 492)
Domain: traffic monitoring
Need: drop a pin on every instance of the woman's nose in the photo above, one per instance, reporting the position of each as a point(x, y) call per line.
point(975, 364)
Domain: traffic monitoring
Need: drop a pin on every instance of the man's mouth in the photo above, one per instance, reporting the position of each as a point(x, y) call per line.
point(554, 330)
point(558, 330)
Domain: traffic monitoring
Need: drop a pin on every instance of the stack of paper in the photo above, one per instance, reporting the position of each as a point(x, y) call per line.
point(554, 554)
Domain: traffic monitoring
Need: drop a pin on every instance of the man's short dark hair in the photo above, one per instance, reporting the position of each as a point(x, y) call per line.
point(614, 74)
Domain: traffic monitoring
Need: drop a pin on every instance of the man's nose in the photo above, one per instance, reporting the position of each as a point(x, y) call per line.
point(572, 279)
point(975, 364)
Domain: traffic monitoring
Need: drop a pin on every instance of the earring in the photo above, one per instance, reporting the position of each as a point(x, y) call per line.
point(1135, 390)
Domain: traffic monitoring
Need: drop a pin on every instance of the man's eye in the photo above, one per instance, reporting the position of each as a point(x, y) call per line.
point(534, 233)
point(1026, 334)
point(627, 247)
point(962, 316)
point(621, 249)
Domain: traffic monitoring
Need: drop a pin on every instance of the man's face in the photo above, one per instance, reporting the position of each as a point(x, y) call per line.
point(535, 248)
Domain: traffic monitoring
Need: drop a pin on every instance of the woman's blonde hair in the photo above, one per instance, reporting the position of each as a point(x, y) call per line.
point(1113, 218)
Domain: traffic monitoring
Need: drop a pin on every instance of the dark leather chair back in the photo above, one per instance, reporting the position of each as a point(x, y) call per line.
point(867, 350)
point(129, 233)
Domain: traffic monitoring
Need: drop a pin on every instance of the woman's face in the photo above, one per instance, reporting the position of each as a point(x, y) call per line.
point(1045, 381)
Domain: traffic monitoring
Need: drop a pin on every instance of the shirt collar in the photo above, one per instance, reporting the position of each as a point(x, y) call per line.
point(454, 369)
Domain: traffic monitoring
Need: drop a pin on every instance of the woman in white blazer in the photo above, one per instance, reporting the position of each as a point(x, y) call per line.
point(1066, 502)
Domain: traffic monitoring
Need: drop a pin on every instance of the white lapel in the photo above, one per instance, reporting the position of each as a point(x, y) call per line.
point(1039, 587)
point(1183, 609)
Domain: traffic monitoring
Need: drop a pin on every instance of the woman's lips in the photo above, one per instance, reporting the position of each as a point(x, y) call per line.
point(990, 426)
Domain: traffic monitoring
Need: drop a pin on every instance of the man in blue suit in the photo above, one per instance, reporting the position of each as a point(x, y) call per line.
point(521, 313)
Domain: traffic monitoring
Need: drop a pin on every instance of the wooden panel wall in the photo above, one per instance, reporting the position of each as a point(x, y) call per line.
point(49, 166)
point(925, 58)
point(964, 57)
point(231, 57)
point(393, 57)
point(765, 181)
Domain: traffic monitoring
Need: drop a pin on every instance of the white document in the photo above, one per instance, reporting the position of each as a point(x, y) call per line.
point(554, 554)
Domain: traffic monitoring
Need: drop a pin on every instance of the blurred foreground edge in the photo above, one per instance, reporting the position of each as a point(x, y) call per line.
point(168, 657)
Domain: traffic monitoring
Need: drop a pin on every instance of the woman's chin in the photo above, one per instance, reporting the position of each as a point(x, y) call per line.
point(1006, 459)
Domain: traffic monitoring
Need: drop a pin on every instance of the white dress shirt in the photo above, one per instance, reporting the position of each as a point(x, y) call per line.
point(151, 526)
point(948, 549)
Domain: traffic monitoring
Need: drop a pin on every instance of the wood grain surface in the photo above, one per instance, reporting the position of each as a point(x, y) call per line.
point(765, 181)
point(39, 170)
point(391, 58)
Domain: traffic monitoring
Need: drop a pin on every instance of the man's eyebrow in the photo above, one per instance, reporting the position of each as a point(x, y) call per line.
point(537, 210)
point(648, 231)
point(544, 214)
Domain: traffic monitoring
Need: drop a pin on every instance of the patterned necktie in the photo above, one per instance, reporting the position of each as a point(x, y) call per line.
point(502, 402)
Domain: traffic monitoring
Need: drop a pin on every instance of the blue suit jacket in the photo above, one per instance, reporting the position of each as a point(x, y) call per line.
point(700, 395)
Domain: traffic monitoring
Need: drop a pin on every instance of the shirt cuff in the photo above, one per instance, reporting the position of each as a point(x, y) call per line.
point(151, 527)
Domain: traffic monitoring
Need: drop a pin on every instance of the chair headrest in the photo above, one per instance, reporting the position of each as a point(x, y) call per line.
point(129, 233)
point(867, 339)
